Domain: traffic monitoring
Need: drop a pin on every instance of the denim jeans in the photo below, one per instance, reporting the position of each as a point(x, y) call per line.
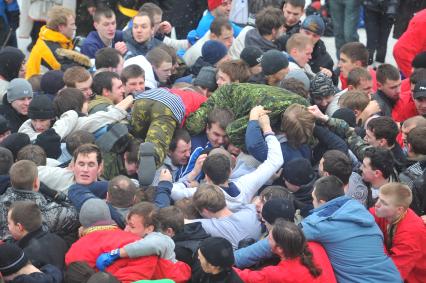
point(378, 27)
point(345, 17)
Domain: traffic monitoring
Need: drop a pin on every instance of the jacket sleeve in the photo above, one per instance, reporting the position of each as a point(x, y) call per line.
point(255, 143)
point(327, 141)
point(197, 121)
point(78, 195)
point(66, 123)
point(99, 119)
point(180, 191)
point(162, 194)
point(26, 128)
point(253, 254)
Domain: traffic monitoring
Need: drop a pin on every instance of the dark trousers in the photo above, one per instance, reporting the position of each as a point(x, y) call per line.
point(378, 27)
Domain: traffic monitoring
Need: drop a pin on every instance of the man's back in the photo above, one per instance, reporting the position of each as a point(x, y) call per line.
point(352, 240)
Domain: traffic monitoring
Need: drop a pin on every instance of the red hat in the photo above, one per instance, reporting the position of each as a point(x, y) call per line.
point(213, 4)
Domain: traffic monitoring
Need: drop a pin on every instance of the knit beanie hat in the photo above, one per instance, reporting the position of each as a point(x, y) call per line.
point(41, 107)
point(206, 78)
point(315, 24)
point(218, 252)
point(301, 76)
point(298, 172)
point(251, 55)
point(52, 82)
point(213, 4)
point(11, 59)
point(273, 61)
point(12, 259)
point(346, 115)
point(50, 141)
point(212, 51)
point(4, 125)
point(14, 142)
point(94, 210)
point(419, 61)
point(278, 208)
point(18, 89)
point(322, 85)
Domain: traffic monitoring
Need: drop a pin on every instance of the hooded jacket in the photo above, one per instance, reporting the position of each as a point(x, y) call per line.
point(49, 274)
point(14, 118)
point(93, 43)
point(253, 38)
point(188, 240)
point(134, 48)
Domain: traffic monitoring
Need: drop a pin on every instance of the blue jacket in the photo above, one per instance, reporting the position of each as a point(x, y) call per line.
point(206, 21)
point(93, 43)
point(353, 241)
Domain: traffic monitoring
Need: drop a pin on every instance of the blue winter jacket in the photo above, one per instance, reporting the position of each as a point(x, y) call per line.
point(205, 23)
point(93, 43)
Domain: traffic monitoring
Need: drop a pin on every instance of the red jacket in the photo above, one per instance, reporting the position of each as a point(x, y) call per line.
point(191, 99)
point(89, 247)
point(292, 270)
point(344, 80)
point(405, 85)
point(408, 250)
point(411, 43)
point(404, 108)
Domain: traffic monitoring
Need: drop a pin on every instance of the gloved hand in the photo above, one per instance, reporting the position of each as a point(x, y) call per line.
point(106, 259)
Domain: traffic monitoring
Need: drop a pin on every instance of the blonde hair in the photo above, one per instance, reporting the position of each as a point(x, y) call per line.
point(354, 100)
point(298, 124)
point(298, 41)
point(57, 16)
point(400, 193)
point(209, 197)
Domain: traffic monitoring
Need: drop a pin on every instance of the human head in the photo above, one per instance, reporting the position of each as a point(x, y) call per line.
point(186, 205)
point(12, 63)
point(298, 124)
point(19, 95)
point(140, 219)
point(217, 168)
point(322, 91)
point(209, 199)
point(293, 10)
point(381, 132)
point(214, 52)
point(206, 80)
point(93, 212)
point(142, 28)
point(419, 61)
point(180, 147)
point(272, 192)
point(62, 20)
point(4, 128)
point(354, 100)
point(377, 164)
point(50, 82)
point(300, 47)
point(6, 160)
point(389, 81)
point(234, 71)
point(216, 254)
point(24, 176)
point(217, 121)
point(34, 153)
point(219, 7)
point(301, 76)
point(270, 21)
point(416, 141)
point(131, 157)
point(133, 78)
point(41, 113)
point(121, 192)
point(79, 78)
point(109, 59)
point(411, 123)
point(109, 85)
point(15, 141)
point(169, 220)
point(221, 30)
point(352, 55)
point(313, 27)
point(154, 12)
point(419, 97)
point(274, 66)
point(87, 164)
point(360, 79)
point(394, 200)
point(23, 217)
point(104, 22)
point(296, 173)
point(252, 56)
point(68, 99)
point(161, 63)
point(77, 138)
point(277, 208)
point(12, 260)
point(295, 86)
point(336, 163)
point(325, 189)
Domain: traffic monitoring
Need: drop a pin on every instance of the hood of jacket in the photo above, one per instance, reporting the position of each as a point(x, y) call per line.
point(47, 34)
point(200, 63)
point(253, 38)
point(191, 231)
point(137, 48)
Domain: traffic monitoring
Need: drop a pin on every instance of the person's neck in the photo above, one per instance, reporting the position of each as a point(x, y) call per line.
point(225, 212)
point(268, 37)
point(379, 182)
point(106, 41)
point(2, 78)
point(396, 218)
point(225, 184)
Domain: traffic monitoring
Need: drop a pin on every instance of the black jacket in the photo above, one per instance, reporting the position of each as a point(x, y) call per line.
point(227, 276)
point(198, 65)
point(253, 38)
point(12, 116)
point(48, 274)
point(187, 242)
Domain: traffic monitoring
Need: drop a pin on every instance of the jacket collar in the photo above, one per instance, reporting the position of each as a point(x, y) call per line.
point(27, 238)
point(47, 34)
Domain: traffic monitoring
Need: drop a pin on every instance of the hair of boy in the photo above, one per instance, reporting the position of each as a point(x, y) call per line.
point(75, 74)
point(102, 11)
point(209, 197)
point(107, 57)
point(356, 75)
point(6, 160)
point(237, 70)
point(354, 100)
point(417, 76)
point(179, 134)
point(401, 194)
point(384, 128)
point(328, 188)
point(86, 149)
point(222, 116)
point(186, 205)
point(23, 174)
point(169, 217)
point(219, 24)
point(77, 138)
point(217, 167)
point(338, 164)
point(416, 139)
point(144, 210)
point(121, 191)
point(298, 41)
point(387, 72)
point(26, 213)
point(33, 153)
point(157, 56)
point(356, 51)
point(57, 16)
point(298, 124)
point(131, 72)
point(269, 19)
point(103, 80)
point(68, 99)
point(381, 159)
point(295, 86)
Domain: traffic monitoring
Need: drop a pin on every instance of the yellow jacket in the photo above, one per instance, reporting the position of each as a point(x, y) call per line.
point(41, 51)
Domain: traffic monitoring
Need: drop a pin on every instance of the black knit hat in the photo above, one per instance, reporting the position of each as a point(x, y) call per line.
point(15, 141)
point(298, 172)
point(206, 78)
point(41, 107)
point(213, 51)
point(419, 61)
point(11, 59)
point(251, 55)
point(12, 259)
point(273, 61)
point(278, 208)
point(50, 141)
point(4, 125)
point(218, 252)
point(52, 82)
point(347, 115)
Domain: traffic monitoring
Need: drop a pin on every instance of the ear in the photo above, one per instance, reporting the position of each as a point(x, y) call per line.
point(326, 173)
point(101, 168)
point(357, 112)
point(95, 25)
point(107, 197)
point(36, 184)
point(213, 36)
point(358, 63)
point(351, 87)
point(383, 143)
point(105, 92)
point(150, 229)
point(169, 232)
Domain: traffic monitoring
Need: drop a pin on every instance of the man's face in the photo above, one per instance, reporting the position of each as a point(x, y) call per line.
point(368, 174)
point(321, 167)
point(216, 135)
point(365, 86)
point(142, 30)
point(40, 125)
point(131, 167)
point(224, 9)
point(420, 105)
point(303, 56)
point(69, 29)
point(385, 207)
point(135, 225)
point(323, 101)
point(292, 14)
point(117, 91)
point(371, 139)
point(180, 155)
point(135, 85)
point(157, 21)
point(405, 131)
point(106, 27)
point(164, 71)
point(86, 169)
point(13, 227)
point(23, 70)
point(21, 105)
point(281, 74)
point(226, 37)
point(86, 88)
point(315, 201)
point(391, 89)
point(313, 36)
point(346, 65)
point(222, 78)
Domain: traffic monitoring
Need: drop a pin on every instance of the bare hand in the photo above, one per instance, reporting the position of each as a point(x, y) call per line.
point(372, 108)
point(91, 10)
point(265, 123)
point(165, 27)
point(199, 164)
point(258, 111)
point(317, 113)
point(326, 72)
point(121, 47)
point(165, 175)
point(423, 218)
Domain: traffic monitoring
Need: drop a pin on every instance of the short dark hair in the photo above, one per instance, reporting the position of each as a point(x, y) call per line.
point(77, 138)
point(384, 127)
point(121, 191)
point(157, 56)
point(169, 217)
point(186, 205)
point(27, 213)
point(102, 11)
point(295, 86)
point(132, 150)
point(295, 3)
point(75, 74)
point(86, 149)
point(68, 99)
point(107, 57)
point(217, 167)
point(268, 19)
point(132, 71)
point(179, 134)
point(34, 153)
point(103, 80)
point(151, 9)
point(387, 72)
point(23, 174)
point(328, 188)
point(356, 51)
point(381, 159)
point(222, 116)
point(237, 70)
point(6, 160)
point(276, 192)
point(416, 138)
point(145, 210)
point(357, 74)
point(338, 164)
point(218, 24)
point(209, 197)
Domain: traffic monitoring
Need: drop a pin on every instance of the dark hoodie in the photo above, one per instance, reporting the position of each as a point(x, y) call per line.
point(48, 274)
point(188, 240)
point(15, 119)
point(253, 38)
point(134, 48)
point(11, 59)
point(198, 65)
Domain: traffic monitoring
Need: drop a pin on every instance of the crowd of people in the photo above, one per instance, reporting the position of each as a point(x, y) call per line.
point(222, 145)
